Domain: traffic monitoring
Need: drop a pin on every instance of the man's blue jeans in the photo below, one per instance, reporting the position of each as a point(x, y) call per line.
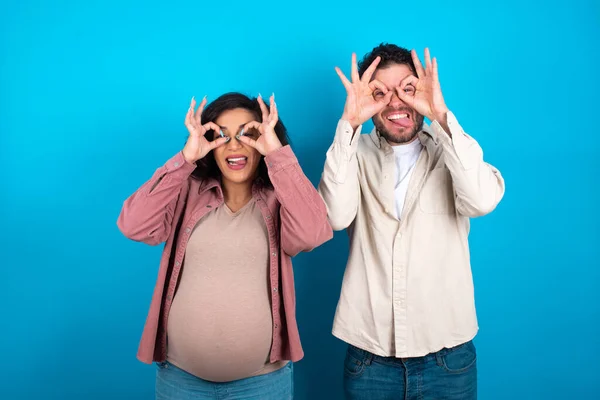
point(450, 374)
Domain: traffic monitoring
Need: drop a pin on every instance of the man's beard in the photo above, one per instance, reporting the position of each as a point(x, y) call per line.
point(405, 136)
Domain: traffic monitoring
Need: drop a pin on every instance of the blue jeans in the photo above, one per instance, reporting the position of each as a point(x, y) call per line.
point(173, 383)
point(450, 374)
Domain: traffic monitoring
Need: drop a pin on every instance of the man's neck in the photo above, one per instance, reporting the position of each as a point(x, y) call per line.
point(411, 141)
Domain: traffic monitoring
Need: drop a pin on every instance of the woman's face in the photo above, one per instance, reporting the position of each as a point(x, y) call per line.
point(237, 161)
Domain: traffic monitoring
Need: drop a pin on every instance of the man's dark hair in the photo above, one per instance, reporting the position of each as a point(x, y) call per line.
point(207, 167)
point(390, 54)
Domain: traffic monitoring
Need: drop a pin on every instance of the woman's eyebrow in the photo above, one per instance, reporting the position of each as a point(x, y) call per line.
point(241, 126)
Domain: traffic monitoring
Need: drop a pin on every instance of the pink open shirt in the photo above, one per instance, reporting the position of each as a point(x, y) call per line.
point(168, 206)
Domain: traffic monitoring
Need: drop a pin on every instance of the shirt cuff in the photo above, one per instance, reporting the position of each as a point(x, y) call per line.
point(344, 135)
point(178, 164)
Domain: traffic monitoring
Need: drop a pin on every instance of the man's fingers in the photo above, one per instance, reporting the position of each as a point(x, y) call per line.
point(436, 78)
point(375, 84)
point(369, 72)
point(409, 80)
point(347, 84)
point(386, 99)
point(354, 74)
point(418, 66)
point(427, 59)
point(405, 97)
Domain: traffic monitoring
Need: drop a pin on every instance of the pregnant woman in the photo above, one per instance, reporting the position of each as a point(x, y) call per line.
point(232, 207)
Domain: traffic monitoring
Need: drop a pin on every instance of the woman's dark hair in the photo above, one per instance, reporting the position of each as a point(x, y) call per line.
point(207, 167)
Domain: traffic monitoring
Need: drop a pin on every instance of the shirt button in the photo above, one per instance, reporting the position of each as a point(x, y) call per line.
point(177, 263)
point(274, 254)
point(275, 289)
point(268, 217)
point(188, 230)
point(176, 164)
point(276, 326)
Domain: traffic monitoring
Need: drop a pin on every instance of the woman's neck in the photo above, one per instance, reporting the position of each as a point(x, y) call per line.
point(236, 195)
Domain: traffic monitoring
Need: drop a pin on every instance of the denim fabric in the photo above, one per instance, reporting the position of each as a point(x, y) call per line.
point(450, 374)
point(173, 383)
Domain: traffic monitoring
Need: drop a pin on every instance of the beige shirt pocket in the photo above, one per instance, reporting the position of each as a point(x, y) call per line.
point(437, 195)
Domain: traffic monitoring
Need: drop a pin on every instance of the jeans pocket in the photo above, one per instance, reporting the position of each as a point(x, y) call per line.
point(458, 359)
point(353, 363)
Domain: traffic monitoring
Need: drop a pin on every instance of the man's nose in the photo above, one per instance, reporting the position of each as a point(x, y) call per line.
point(395, 100)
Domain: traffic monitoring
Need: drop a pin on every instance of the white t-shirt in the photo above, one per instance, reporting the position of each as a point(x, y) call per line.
point(406, 158)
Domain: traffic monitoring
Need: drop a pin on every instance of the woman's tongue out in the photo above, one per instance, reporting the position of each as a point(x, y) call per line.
point(237, 162)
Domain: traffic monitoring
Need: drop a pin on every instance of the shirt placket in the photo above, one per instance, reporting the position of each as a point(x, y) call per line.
point(401, 258)
point(399, 301)
point(399, 282)
point(273, 275)
point(387, 182)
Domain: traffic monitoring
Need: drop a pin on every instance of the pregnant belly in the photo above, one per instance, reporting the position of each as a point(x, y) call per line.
point(220, 335)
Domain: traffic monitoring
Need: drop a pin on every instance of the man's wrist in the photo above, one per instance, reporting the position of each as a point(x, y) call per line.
point(442, 119)
point(354, 124)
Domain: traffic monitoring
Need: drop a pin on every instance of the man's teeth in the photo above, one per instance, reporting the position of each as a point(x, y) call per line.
point(397, 116)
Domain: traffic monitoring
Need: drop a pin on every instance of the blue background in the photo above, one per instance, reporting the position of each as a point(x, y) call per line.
point(92, 100)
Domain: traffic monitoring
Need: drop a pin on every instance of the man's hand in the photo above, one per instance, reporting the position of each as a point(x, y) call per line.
point(423, 92)
point(360, 103)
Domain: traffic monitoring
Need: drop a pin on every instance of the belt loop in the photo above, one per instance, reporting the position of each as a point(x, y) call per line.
point(368, 358)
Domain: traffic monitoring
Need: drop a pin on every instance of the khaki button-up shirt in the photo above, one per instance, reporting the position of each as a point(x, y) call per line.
point(407, 289)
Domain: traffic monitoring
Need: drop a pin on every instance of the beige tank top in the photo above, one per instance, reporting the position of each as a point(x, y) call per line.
point(220, 323)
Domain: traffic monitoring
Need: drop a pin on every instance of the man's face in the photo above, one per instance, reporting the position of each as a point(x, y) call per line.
point(397, 122)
